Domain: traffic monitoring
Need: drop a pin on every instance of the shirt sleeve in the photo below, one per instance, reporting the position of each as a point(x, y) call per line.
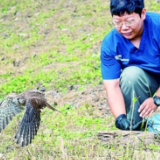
point(110, 67)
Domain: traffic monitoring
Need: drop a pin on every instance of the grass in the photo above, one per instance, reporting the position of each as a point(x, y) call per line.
point(57, 44)
point(70, 135)
point(67, 134)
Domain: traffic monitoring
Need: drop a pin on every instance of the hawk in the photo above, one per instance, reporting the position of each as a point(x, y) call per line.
point(34, 101)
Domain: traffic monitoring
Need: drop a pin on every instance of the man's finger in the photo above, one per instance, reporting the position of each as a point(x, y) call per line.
point(150, 113)
point(145, 112)
point(142, 106)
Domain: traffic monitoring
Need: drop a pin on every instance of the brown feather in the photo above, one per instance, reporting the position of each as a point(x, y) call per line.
point(34, 101)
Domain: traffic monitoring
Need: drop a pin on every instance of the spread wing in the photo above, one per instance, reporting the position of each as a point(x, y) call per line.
point(29, 125)
point(8, 110)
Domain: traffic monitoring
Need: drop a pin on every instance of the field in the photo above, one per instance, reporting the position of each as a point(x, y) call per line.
point(56, 44)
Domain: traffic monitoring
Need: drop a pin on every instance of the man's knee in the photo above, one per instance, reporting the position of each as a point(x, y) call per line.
point(131, 75)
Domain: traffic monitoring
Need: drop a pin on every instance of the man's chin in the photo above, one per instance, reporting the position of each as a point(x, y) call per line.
point(130, 37)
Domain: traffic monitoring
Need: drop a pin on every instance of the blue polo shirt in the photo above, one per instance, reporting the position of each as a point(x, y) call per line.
point(117, 52)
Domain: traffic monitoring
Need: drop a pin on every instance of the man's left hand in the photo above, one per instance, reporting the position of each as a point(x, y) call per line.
point(147, 108)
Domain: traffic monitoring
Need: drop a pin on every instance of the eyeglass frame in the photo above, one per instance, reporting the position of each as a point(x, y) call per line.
point(122, 23)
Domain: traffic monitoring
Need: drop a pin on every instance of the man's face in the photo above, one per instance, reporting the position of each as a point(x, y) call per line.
point(130, 25)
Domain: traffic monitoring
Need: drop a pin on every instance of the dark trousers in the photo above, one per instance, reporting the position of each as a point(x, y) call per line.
point(137, 85)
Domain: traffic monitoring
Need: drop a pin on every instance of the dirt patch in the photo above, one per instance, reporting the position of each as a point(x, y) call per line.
point(94, 96)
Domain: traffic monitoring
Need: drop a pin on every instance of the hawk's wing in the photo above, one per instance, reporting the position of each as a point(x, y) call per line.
point(8, 110)
point(29, 125)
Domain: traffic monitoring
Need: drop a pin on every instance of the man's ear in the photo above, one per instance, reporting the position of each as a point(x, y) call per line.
point(143, 14)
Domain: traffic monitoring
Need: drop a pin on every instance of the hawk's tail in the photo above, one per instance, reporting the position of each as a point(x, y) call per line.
point(52, 108)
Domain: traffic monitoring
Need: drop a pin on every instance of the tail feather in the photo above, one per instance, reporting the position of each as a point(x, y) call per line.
point(52, 108)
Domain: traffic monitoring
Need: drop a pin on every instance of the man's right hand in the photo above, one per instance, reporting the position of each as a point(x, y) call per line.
point(123, 123)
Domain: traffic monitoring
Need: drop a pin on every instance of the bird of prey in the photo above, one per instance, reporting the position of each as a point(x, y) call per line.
point(34, 101)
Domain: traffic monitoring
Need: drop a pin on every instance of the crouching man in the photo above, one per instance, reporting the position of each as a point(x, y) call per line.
point(130, 63)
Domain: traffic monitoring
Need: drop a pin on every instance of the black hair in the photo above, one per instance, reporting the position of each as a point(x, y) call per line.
point(119, 7)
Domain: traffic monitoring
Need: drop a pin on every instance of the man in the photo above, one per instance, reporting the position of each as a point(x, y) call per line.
point(130, 63)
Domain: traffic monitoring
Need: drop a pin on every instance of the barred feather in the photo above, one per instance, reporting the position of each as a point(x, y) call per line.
point(8, 110)
point(34, 101)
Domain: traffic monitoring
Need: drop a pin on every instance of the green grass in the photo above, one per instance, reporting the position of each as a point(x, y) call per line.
point(62, 131)
point(58, 44)
point(71, 134)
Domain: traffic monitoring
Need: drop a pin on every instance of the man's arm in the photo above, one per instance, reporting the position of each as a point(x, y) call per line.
point(158, 92)
point(114, 97)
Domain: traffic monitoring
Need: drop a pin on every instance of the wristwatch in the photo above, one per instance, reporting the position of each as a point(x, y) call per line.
point(156, 100)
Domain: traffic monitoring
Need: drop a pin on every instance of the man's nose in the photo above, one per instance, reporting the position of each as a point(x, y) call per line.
point(124, 26)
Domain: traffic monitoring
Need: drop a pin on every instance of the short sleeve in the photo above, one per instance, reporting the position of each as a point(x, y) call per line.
point(110, 67)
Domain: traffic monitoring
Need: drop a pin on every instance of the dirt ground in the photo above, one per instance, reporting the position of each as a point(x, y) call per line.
point(94, 96)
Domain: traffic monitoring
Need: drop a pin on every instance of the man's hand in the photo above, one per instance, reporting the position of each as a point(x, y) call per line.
point(123, 123)
point(147, 108)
